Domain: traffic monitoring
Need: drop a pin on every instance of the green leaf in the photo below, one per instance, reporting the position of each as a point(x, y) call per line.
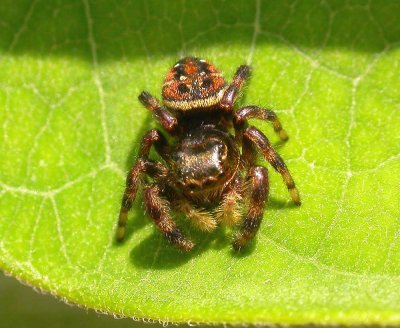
point(71, 124)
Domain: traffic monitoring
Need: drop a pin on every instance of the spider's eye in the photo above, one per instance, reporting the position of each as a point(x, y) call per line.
point(182, 88)
point(192, 186)
point(206, 83)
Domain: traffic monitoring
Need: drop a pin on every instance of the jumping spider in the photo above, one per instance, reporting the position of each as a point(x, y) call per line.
point(204, 175)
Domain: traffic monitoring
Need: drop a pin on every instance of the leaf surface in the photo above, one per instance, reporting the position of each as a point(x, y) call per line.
point(71, 124)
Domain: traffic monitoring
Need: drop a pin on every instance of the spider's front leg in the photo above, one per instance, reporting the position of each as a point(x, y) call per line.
point(231, 93)
point(259, 188)
point(158, 208)
point(254, 137)
point(168, 121)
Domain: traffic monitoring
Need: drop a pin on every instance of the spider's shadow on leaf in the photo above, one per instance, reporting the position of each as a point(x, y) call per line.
point(279, 204)
point(156, 253)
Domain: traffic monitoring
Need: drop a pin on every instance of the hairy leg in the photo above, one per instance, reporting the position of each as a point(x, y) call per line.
point(154, 138)
point(133, 181)
point(241, 116)
point(199, 217)
point(229, 211)
point(142, 166)
point(231, 93)
point(260, 141)
point(159, 210)
point(259, 187)
point(168, 121)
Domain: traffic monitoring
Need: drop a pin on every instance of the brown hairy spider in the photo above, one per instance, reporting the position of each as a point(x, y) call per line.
point(204, 175)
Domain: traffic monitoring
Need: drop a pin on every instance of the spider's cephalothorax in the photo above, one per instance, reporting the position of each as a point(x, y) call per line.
point(209, 172)
point(193, 84)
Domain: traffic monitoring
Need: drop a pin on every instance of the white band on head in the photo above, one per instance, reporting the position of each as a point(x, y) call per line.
point(187, 105)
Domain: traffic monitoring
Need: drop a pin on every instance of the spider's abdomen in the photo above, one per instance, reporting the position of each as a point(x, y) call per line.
point(205, 159)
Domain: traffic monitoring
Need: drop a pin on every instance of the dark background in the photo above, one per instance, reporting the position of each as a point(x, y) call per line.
point(23, 307)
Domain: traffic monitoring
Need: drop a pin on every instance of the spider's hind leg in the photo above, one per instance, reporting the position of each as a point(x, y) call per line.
point(259, 188)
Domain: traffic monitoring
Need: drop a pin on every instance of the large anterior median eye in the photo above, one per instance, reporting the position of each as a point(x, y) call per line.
point(206, 83)
point(182, 88)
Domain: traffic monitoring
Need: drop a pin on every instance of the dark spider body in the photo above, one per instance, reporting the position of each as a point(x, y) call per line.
point(208, 173)
point(204, 161)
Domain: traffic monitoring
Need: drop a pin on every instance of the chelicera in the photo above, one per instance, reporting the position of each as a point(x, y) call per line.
point(209, 171)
